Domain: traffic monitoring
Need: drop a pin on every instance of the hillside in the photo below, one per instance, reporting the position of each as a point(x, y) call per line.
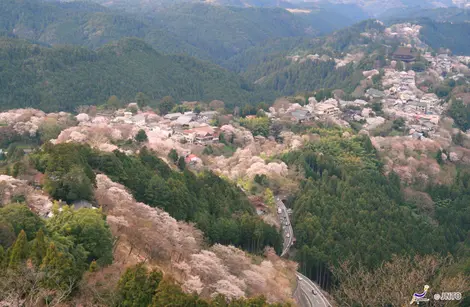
point(197, 29)
point(290, 66)
point(448, 35)
point(61, 78)
point(84, 24)
point(446, 28)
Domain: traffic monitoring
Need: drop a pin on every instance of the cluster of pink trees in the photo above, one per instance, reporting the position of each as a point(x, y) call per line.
point(150, 234)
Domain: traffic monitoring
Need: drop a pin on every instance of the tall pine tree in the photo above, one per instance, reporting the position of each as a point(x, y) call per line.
point(2, 257)
point(39, 248)
point(19, 251)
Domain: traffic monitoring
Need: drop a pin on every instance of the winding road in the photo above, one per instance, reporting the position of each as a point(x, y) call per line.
point(307, 294)
point(288, 233)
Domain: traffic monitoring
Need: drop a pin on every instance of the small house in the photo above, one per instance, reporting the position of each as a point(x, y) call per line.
point(172, 116)
point(325, 109)
point(192, 159)
point(301, 115)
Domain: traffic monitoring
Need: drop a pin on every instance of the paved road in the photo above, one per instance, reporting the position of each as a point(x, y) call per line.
point(305, 295)
point(306, 288)
point(288, 233)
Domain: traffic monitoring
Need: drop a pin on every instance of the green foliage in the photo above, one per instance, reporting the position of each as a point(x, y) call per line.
point(268, 198)
point(64, 77)
point(258, 125)
point(141, 136)
point(68, 175)
point(460, 113)
point(442, 91)
point(142, 100)
point(261, 179)
point(86, 228)
point(60, 250)
point(137, 286)
point(418, 66)
point(58, 268)
point(171, 29)
point(93, 267)
point(113, 103)
point(173, 155)
point(439, 157)
point(208, 150)
point(18, 218)
point(19, 251)
point(38, 248)
point(453, 213)
point(309, 76)
point(449, 35)
point(348, 210)
point(216, 206)
point(7, 233)
point(166, 104)
point(3, 258)
point(181, 163)
point(169, 293)
point(49, 129)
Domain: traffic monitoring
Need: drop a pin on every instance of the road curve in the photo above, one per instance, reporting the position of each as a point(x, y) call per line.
point(288, 234)
point(308, 288)
point(308, 294)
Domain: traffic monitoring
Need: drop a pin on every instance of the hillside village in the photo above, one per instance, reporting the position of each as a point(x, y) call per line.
point(401, 94)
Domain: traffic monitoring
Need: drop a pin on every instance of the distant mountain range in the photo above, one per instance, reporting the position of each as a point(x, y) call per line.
point(209, 32)
point(377, 7)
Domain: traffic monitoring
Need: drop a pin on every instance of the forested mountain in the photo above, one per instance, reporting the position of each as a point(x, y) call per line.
point(217, 207)
point(84, 24)
point(347, 210)
point(446, 28)
point(448, 35)
point(61, 78)
point(211, 27)
point(197, 29)
point(270, 67)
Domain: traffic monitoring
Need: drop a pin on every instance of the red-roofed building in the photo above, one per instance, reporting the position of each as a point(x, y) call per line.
point(192, 159)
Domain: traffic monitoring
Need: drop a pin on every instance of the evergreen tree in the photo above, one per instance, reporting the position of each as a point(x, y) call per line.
point(137, 286)
point(439, 157)
point(57, 268)
point(166, 104)
point(141, 136)
point(19, 250)
point(173, 155)
point(113, 103)
point(181, 163)
point(2, 258)
point(142, 100)
point(38, 248)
